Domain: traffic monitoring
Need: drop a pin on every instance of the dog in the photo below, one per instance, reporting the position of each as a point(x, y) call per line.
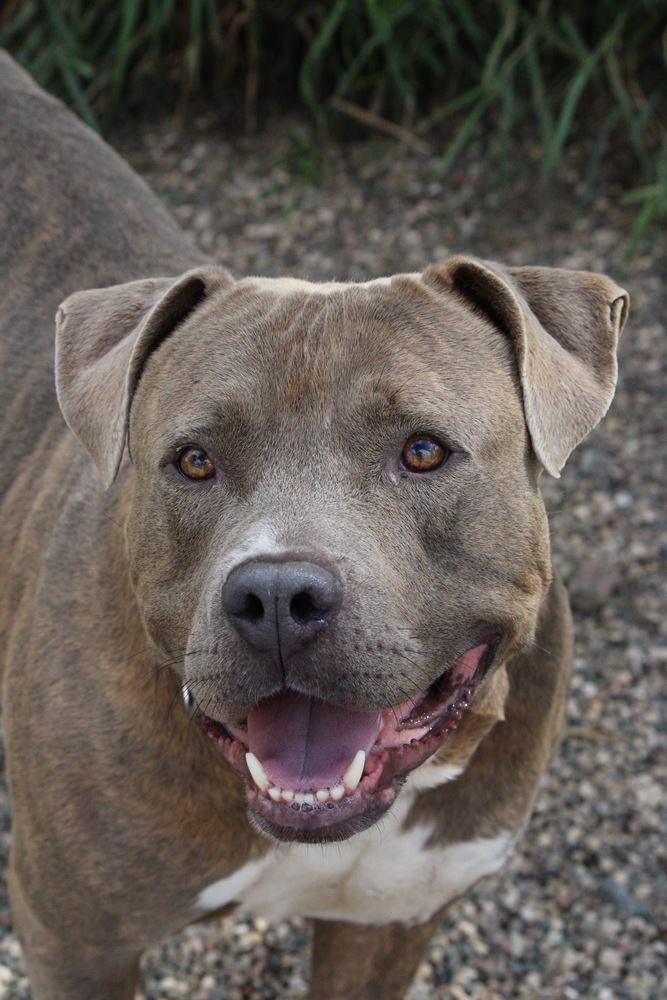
point(281, 571)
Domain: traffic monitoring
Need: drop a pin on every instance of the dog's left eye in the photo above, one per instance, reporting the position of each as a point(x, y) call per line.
point(423, 454)
point(195, 464)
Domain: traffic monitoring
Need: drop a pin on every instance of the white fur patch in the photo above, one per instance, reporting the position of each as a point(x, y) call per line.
point(431, 775)
point(262, 542)
point(384, 874)
point(226, 890)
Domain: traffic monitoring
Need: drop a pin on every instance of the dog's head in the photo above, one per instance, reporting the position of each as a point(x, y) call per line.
point(336, 526)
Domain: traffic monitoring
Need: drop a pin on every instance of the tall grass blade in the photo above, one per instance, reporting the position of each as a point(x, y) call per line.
point(129, 12)
point(540, 100)
point(463, 134)
point(75, 91)
point(572, 97)
point(315, 53)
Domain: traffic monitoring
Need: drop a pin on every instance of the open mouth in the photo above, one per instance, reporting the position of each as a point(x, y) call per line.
point(316, 771)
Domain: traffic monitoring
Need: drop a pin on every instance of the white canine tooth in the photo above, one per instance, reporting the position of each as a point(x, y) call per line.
point(288, 795)
point(322, 795)
point(337, 792)
point(309, 798)
point(275, 793)
point(299, 797)
point(256, 768)
point(352, 776)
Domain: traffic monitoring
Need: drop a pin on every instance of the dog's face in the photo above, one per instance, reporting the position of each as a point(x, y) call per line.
point(335, 525)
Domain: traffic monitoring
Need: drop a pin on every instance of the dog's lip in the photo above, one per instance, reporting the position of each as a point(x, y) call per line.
point(408, 735)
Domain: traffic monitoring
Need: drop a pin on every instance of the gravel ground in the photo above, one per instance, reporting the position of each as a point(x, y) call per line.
point(579, 911)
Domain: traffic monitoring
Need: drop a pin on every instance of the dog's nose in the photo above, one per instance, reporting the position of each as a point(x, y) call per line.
point(279, 607)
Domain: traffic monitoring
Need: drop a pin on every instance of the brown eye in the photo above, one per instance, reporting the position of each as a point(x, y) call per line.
point(195, 464)
point(423, 454)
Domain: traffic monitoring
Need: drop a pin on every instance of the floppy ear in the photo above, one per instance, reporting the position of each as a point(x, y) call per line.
point(564, 326)
point(103, 338)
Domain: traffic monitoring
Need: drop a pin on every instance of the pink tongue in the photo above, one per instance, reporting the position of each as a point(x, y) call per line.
point(305, 743)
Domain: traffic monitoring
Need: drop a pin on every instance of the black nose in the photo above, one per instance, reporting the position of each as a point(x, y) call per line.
point(279, 607)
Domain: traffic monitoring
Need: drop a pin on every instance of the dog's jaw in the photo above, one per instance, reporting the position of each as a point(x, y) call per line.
point(340, 799)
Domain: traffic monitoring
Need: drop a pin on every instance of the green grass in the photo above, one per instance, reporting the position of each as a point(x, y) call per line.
point(414, 68)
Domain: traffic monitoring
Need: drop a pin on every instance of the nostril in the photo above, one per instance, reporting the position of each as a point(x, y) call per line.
point(252, 610)
point(279, 606)
point(303, 609)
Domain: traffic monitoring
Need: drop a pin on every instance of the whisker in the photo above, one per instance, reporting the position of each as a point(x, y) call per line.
point(547, 651)
point(159, 667)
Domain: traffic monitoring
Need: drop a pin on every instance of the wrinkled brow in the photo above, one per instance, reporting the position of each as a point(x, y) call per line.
point(219, 419)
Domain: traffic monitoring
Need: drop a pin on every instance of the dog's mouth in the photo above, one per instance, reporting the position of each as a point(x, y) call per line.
point(316, 771)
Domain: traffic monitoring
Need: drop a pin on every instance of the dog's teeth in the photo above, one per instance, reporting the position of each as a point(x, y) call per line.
point(259, 775)
point(352, 776)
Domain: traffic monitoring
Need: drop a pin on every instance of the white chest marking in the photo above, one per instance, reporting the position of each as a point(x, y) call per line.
point(384, 874)
point(377, 877)
point(432, 776)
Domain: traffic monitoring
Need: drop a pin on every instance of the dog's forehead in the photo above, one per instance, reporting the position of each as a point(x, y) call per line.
point(281, 345)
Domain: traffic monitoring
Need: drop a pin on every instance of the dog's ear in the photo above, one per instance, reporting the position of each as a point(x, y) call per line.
point(103, 338)
point(564, 326)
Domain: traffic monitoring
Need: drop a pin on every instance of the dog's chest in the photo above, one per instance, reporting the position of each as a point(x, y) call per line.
point(387, 873)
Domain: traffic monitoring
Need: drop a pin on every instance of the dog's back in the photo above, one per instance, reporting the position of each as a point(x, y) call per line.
point(60, 234)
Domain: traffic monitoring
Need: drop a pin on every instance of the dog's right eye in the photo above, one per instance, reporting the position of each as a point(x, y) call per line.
point(195, 464)
point(423, 454)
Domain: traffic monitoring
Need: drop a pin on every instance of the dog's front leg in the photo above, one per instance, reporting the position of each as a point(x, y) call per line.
point(361, 962)
point(66, 969)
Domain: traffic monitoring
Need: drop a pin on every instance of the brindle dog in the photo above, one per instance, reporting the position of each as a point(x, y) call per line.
point(281, 570)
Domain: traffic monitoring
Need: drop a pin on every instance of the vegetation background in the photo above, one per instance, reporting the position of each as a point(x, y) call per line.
point(410, 68)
